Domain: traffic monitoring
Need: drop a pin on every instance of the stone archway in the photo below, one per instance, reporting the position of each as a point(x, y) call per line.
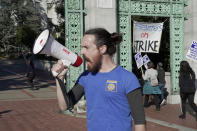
point(174, 9)
point(74, 29)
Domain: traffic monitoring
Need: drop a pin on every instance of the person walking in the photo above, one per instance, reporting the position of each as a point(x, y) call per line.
point(151, 88)
point(187, 88)
point(31, 73)
point(162, 82)
point(112, 93)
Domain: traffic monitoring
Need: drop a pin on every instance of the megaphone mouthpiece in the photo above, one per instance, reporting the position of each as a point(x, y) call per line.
point(78, 61)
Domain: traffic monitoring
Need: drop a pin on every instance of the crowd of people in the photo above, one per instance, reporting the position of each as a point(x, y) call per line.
point(158, 92)
point(153, 85)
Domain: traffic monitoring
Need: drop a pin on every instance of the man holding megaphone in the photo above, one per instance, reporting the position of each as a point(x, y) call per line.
point(112, 93)
point(46, 44)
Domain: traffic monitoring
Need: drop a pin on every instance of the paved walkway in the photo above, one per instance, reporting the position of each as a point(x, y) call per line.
point(22, 109)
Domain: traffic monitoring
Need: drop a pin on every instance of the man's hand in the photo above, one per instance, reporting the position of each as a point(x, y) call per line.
point(60, 69)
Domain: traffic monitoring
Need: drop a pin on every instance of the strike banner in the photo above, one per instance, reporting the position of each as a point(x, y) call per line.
point(146, 37)
point(192, 52)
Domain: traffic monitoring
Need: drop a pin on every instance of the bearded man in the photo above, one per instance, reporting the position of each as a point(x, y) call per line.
point(112, 93)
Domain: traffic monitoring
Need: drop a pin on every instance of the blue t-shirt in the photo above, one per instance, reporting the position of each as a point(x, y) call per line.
point(107, 105)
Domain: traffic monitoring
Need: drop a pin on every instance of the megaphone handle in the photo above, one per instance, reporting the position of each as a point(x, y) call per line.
point(55, 73)
point(66, 63)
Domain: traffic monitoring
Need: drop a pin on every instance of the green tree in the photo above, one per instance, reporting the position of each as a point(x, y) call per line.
point(6, 24)
point(16, 15)
point(25, 37)
point(24, 14)
point(60, 10)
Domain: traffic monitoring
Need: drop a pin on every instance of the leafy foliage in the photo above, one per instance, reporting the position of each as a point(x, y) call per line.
point(60, 10)
point(6, 24)
point(25, 37)
point(17, 21)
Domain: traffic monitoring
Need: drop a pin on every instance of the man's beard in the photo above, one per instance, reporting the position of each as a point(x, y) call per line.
point(95, 64)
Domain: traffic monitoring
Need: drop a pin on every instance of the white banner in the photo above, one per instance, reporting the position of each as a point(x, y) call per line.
point(147, 37)
point(192, 52)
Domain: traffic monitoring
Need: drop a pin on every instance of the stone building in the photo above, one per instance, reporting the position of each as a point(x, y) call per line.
point(116, 15)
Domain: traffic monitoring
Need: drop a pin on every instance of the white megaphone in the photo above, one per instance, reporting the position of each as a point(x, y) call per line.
point(46, 44)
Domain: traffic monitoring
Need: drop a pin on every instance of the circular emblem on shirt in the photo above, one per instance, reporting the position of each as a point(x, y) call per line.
point(111, 87)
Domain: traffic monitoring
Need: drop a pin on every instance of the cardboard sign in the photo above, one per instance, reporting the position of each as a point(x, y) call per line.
point(192, 52)
point(145, 61)
point(138, 60)
point(147, 37)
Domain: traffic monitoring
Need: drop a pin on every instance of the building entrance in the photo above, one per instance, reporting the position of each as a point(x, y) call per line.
point(161, 9)
point(164, 51)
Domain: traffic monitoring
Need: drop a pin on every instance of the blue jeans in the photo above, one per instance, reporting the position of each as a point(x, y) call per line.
point(162, 90)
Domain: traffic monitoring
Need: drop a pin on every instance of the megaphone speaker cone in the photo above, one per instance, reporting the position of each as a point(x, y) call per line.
point(46, 44)
point(41, 41)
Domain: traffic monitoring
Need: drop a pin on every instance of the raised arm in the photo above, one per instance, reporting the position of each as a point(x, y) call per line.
point(66, 101)
point(145, 75)
point(62, 70)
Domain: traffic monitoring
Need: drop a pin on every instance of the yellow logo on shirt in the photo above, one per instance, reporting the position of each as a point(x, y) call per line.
point(111, 85)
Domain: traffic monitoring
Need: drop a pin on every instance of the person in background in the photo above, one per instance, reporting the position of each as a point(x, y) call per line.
point(112, 93)
point(148, 89)
point(187, 88)
point(31, 73)
point(162, 82)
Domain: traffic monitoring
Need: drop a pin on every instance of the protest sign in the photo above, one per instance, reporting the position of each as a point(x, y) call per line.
point(147, 37)
point(138, 60)
point(145, 59)
point(192, 52)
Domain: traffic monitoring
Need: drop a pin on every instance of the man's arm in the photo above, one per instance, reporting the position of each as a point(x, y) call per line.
point(66, 101)
point(137, 109)
point(60, 97)
point(62, 70)
point(140, 128)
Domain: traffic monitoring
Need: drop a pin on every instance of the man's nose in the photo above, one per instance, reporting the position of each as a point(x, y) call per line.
point(82, 51)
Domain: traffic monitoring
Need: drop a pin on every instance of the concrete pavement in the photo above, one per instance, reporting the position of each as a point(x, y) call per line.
point(22, 109)
point(14, 86)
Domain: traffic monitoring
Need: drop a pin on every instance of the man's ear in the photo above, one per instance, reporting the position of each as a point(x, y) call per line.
point(103, 49)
